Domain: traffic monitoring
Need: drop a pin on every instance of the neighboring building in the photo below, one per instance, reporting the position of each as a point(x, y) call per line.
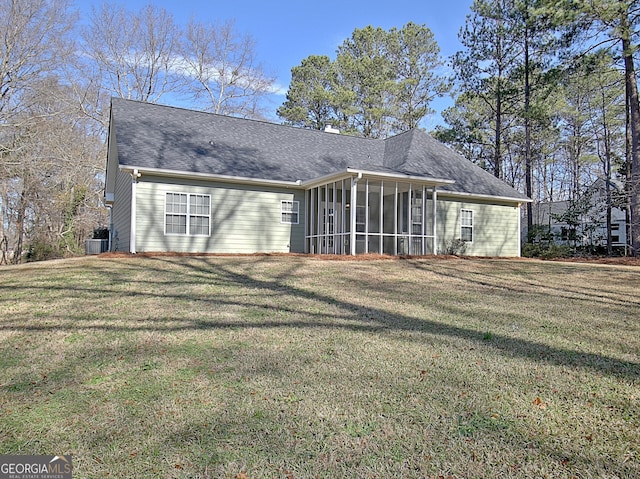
point(586, 223)
point(187, 181)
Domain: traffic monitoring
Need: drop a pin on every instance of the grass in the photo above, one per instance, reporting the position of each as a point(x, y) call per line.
point(295, 367)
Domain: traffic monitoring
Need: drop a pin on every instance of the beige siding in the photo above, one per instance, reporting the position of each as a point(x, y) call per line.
point(243, 219)
point(495, 227)
point(121, 213)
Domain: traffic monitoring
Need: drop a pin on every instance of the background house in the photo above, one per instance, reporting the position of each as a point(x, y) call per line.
point(188, 181)
point(582, 223)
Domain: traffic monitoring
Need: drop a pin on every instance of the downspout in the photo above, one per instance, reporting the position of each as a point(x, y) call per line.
point(110, 226)
point(132, 234)
point(352, 218)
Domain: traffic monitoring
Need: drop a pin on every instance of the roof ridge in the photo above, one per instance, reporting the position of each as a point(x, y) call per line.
point(254, 120)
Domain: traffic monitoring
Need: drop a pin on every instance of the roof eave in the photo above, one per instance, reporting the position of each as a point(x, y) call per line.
point(189, 175)
point(349, 172)
point(475, 196)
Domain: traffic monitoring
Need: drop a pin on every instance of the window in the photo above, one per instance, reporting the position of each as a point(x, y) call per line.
point(466, 225)
point(199, 209)
point(615, 232)
point(187, 214)
point(289, 212)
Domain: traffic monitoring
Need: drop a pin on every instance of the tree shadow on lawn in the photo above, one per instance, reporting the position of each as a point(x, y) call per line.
point(524, 284)
point(350, 316)
point(372, 319)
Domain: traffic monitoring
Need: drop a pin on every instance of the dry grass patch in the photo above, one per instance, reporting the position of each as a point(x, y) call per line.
point(266, 366)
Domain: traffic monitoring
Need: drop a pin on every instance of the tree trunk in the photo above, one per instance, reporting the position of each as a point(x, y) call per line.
point(527, 124)
point(631, 89)
point(22, 206)
point(627, 178)
point(608, 195)
point(497, 155)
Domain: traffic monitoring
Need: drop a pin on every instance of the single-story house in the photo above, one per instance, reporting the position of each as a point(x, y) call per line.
point(187, 181)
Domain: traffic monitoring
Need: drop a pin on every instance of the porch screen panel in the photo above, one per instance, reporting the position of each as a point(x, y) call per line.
point(417, 220)
point(389, 223)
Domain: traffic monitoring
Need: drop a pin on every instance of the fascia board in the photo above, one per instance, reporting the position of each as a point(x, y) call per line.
point(473, 196)
point(349, 172)
point(209, 177)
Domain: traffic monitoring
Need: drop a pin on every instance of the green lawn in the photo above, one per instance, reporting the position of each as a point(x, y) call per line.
point(295, 367)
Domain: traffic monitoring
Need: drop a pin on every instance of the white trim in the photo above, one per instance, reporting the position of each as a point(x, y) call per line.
point(208, 176)
point(334, 237)
point(519, 230)
point(308, 184)
point(290, 184)
point(312, 183)
point(366, 216)
point(395, 221)
point(471, 196)
point(132, 232)
point(434, 196)
point(352, 213)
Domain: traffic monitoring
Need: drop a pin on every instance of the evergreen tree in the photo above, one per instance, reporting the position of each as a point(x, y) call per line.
point(381, 82)
point(486, 68)
point(310, 99)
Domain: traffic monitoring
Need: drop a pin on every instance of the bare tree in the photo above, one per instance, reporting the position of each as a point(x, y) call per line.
point(133, 55)
point(53, 188)
point(222, 71)
point(35, 42)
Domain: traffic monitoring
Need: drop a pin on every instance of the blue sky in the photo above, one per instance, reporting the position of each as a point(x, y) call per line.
point(288, 31)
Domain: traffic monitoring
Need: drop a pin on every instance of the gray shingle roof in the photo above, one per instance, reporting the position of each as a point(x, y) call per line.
point(169, 138)
point(425, 153)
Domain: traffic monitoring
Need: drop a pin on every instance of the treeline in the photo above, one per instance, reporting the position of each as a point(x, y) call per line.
point(545, 98)
point(57, 74)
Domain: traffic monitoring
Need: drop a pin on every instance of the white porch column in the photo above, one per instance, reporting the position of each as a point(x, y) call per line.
point(307, 214)
point(352, 212)
point(395, 221)
point(435, 221)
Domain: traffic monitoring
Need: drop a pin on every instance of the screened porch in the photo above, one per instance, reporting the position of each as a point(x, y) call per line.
point(359, 215)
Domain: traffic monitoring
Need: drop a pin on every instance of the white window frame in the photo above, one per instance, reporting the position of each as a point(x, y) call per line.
point(463, 224)
point(188, 214)
point(294, 211)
